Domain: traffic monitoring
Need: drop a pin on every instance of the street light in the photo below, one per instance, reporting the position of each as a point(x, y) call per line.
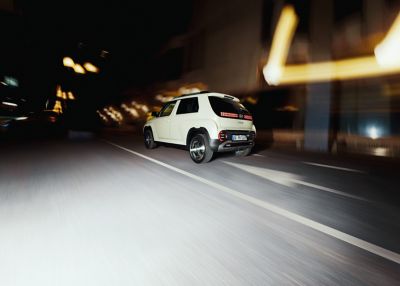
point(68, 62)
point(79, 69)
point(71, 96)
point(90, 67)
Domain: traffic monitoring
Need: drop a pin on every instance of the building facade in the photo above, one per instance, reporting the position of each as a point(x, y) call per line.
point(229, 42)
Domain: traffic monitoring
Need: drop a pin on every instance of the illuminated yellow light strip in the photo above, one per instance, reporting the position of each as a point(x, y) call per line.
point(281, 43)
point(337, 70)
point(387, 52)
point(385, 62)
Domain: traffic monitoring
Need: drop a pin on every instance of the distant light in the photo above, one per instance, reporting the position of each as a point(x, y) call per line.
point(251, 100)
point(130, 110)
point(71, 96)
point(134, 112)
point(102, 116)
point(91, 68)
point(185, 90)
point(59, 92)
point(79, 69)
point(104, 53)
point(145, 108)
point(3, 83)
point(68, 62)
point(380, 151)
point(373, 132)
point(64, 95)
point(58, 107)
point(163, 98)
point(9, 103)
point(21, 118)
point(114, 114)
point(288, 108)
point(11, 81)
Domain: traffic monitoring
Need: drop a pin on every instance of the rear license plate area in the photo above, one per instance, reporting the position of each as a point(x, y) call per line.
point(239, 138)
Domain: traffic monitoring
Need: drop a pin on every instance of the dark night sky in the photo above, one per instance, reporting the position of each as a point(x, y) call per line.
point(132, 31)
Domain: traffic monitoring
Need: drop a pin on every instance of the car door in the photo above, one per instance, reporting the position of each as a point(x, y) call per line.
point(163, 121)
point(184, 119)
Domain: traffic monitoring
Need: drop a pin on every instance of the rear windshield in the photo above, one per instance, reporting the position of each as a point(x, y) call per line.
point(226, 107)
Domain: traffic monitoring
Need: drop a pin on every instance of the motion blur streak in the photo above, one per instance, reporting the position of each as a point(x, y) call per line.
point(390, 255)
point(91, 68)
point(68, 62)
point(71, 96)
point(338, 70)
point(9, 103)
point(280, 46)
point(79, 69)
point(387, 52)
point(385, 62)
point(82, 212)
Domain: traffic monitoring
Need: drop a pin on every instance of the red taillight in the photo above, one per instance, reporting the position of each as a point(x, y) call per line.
point(230, 115)
point(235, 115)
point(222, 136)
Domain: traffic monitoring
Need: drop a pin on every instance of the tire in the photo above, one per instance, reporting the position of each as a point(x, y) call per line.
point(199, 149)
point(149, 139)
point(243, 152)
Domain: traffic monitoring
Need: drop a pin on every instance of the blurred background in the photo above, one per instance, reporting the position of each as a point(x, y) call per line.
point(316, 203)
point(317, 75)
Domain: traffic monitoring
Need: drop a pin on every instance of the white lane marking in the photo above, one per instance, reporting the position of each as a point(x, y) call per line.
point(279, 177)
point(330, 190)
point(372, 248)
point(258, 155)
point(334, 167)
point(288, 179)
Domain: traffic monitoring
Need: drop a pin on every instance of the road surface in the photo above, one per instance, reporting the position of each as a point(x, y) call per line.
point(106, 211)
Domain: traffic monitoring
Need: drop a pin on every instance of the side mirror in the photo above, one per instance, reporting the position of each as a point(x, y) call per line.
point(154, 114)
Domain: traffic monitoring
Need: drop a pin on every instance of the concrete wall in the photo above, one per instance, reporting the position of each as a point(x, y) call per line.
point(224, 47)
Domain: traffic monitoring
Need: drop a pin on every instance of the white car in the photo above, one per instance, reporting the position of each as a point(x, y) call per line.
point(204, 122)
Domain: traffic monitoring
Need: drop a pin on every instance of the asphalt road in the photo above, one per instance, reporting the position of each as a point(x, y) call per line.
point(110, 212)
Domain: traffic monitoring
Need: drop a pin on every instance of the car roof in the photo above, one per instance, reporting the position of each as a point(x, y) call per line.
point(206, 93)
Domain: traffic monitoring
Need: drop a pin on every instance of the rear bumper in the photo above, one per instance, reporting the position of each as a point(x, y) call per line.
point(229, 145)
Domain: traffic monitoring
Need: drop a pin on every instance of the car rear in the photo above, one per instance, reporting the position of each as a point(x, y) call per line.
point(235, 124)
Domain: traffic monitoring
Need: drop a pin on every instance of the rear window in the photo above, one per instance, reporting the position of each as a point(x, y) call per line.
point(225, 107)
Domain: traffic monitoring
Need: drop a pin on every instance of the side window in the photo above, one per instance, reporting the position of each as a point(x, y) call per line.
point(167, 109)
point(188, 105)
